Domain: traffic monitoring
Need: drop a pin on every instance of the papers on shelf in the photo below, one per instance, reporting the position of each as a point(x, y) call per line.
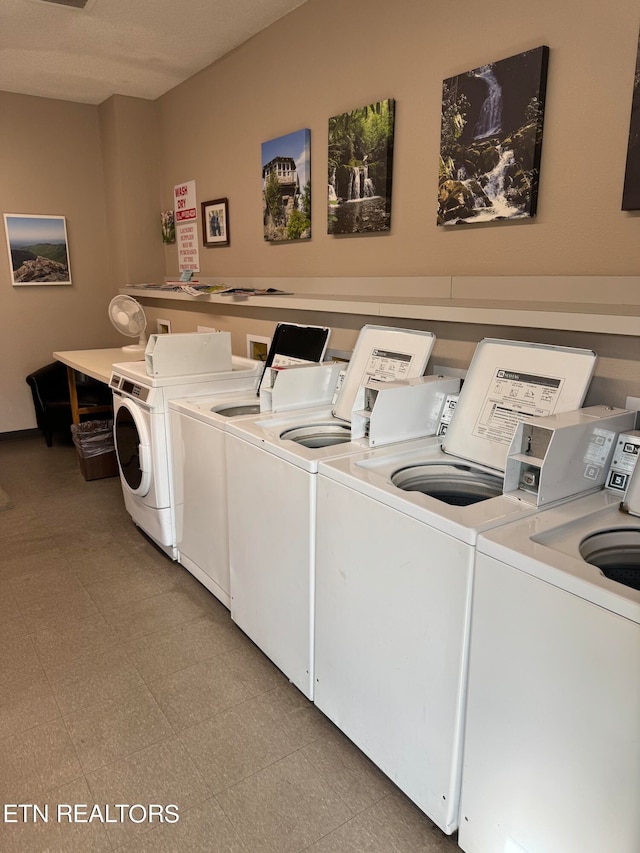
point(255, 291)
point(195, 289)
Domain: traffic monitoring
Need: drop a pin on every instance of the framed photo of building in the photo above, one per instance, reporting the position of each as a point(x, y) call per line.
point(360, 169)
point(215, 222)
point(38, 249)
point(491, 140)
point(286, 187)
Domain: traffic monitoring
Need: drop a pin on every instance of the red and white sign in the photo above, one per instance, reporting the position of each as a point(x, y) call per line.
point(184, 196)
point(186, 226)
point(187, 240)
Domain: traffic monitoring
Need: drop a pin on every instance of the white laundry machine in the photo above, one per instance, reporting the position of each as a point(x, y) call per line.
point(141, 436)
point(199, 469)
point(552, 746)
point(199, 475)
point(272, 462)
point(395, 547)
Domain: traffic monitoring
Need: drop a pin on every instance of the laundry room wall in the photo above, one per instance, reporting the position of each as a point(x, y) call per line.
point(327, 57)
point(129, 130)
point(111, 169)
point(51, 163)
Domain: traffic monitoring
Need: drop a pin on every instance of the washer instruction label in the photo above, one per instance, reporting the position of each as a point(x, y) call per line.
point(387, 366)
point(447, 413)
point(280, 360)
point(599, 448)
point(512, 397)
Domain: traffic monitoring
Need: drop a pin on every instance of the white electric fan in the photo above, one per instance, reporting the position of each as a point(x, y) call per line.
point(127, 316)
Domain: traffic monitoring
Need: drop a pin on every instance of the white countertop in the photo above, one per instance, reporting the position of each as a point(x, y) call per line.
point(96, 362)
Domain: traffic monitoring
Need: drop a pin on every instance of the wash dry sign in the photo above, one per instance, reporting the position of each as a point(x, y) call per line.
point(186, 221)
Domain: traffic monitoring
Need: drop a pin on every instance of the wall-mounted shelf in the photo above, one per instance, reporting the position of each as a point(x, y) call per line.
point(585, 317)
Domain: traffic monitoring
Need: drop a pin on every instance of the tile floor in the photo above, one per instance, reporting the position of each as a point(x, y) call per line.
point(123, 681)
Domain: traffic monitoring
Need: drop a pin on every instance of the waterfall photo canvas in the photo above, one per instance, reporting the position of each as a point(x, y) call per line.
point(286, 187)
point(631, 191)
point(360, 169)
point(491, 140)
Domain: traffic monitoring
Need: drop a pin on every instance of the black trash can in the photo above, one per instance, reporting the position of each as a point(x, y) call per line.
point(95, 448)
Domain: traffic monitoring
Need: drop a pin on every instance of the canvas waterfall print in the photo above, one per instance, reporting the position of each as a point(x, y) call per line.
point(491, 140)
point(286, 187)
point(360, 167)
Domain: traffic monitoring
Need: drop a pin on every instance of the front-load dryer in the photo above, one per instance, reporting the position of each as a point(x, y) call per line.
point(272, 463)
point(395, 547)
point(141, 436)
point(552, 746)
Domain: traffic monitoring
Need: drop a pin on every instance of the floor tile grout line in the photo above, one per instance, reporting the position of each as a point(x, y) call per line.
point(171, 737)
point(30, 728)
point(261, 770)
point(302, 726)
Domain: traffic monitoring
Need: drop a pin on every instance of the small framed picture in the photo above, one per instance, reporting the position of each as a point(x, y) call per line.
point(215, 222)
point(168, 226)
point(163, 327)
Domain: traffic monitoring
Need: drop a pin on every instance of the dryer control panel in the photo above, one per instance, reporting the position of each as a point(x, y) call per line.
point(129, 388)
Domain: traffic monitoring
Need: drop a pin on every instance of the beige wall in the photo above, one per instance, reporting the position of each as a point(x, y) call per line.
point(130, 139)
point(329, 56)
point(99, 166)
point(51, 163)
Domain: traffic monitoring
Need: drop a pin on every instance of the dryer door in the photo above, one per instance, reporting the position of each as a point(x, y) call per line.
point(133, 445)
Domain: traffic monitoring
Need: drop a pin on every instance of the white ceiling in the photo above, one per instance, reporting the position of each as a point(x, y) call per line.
point(140, 48)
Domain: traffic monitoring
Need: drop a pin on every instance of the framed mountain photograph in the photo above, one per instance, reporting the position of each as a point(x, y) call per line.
point(38, 249)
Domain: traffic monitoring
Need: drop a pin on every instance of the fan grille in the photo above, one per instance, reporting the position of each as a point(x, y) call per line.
point(127, 315)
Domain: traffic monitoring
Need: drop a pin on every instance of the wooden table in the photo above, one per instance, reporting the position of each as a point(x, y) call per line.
point(95, 363)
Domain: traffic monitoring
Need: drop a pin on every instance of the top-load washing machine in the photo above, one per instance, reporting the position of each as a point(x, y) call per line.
point(272, 462)
point(199, 478)
point(198, 457)
point(552, 746)
point(141, 434)
point(199, 468)
point(396, 535)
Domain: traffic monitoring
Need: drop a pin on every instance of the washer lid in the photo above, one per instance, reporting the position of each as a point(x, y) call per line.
point(384, 353)
point(511, 381)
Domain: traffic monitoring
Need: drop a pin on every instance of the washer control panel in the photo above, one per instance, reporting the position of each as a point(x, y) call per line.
point(561, 456)
point(624, 461)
